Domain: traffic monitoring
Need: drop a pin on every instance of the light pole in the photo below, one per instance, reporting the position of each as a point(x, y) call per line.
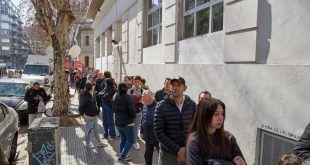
point(116, 43)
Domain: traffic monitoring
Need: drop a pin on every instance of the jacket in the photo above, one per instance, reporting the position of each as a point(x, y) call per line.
point(124, 110)
point(87, 104)
point(302, 147)
point(160, 94)
point(196, 156)
point(106, 96)
point(171, 126)
point(32, 103)
point(147, 121)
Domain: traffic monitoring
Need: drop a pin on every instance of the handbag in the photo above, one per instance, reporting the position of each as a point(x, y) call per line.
point(219, 162)
point(41, 107)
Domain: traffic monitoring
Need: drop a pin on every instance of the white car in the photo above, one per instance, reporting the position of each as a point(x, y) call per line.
point(8, 133)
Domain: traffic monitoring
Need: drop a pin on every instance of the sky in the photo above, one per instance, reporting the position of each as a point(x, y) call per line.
point(16, 2)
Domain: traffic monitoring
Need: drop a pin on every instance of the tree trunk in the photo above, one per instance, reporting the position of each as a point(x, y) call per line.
point(61, 95)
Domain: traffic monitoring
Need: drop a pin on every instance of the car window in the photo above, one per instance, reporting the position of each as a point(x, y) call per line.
point(13, 89)
point(2, 113)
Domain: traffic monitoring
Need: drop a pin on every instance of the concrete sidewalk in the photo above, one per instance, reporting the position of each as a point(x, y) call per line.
point(74, 152)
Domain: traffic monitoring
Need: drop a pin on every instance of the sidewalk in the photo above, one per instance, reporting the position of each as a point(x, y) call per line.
point(74, 152)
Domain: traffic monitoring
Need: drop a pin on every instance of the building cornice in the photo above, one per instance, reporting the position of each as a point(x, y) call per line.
point(104, 9)
point(92, 8)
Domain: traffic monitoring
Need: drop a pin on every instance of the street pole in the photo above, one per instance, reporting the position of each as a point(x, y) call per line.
point(120, 63)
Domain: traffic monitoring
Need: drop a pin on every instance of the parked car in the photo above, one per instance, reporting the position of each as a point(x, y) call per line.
point(12, 93)
point(8, 133)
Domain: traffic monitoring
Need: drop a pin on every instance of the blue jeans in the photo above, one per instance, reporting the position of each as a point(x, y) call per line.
point(127, 139)
point(108, 122)
point(91, 125)
point(137, 124)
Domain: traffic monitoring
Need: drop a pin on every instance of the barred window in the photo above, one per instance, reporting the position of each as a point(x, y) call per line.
point(154, 22)
point(202, 17)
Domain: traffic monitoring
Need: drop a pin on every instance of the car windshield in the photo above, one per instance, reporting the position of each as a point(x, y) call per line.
point(36, 69)
point(13, 89)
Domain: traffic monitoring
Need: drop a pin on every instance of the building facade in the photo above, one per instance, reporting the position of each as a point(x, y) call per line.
point(85, 40)
point(14, 46)
point(251, 54)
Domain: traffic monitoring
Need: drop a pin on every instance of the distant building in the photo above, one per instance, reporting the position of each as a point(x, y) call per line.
point(13, 43)
point(85, 41)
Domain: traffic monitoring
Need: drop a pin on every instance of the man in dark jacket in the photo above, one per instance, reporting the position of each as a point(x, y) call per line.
point(147, 128)
point(160, 94)
point(33, 96)
point(172, 118)
point(302, 147)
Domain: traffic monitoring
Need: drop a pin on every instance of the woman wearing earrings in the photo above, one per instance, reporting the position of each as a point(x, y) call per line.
point(208, 142)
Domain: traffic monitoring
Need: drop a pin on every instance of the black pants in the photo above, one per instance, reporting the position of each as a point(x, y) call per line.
point(148, 155)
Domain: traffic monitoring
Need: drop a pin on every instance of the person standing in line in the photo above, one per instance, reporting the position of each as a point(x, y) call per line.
point(291, 159)
point(100, 84)
point(147, 128)
point(208, 142)
point(160, 94)
point(136, 94)
point(106, 96)
point(87, 109)
point(128, 81)
point(124, 121)
point(172, 118)
point(204, 94)
point(302, 147)
point(33, 96)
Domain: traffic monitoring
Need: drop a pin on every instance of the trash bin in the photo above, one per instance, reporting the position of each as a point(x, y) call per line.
point(44, 141)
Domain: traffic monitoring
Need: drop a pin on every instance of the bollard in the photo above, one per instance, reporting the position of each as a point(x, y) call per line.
point(44, 141)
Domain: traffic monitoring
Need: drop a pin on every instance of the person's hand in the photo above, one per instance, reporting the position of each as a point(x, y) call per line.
point(181, 154)
point(142, 136)
point(239, 160)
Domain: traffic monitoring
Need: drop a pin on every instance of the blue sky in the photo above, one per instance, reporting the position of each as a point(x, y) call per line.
point(16, 2)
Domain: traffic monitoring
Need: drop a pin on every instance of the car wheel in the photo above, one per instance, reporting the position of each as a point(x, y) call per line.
point(13, 149)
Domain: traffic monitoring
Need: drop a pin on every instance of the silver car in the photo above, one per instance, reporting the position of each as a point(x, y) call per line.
point(8, 133)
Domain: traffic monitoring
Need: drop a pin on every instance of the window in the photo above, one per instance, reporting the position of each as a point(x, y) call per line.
point(272, 147)
point(5, 40)
point(202, 17)
point(5, 48)
point(154, 17)
point(86, 61)
point(5, 18)
point(5, 25)
point(86, 40)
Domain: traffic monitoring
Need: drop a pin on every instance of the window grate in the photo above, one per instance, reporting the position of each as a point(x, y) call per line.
point(273, 147)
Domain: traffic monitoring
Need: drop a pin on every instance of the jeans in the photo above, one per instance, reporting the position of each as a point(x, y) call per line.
point(137, 124)
point(148, 155)
point(127, 140)
point(108, 122)
point(31, 117)
point(91, 125)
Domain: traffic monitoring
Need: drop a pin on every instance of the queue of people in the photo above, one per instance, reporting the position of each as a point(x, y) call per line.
point(181, 131)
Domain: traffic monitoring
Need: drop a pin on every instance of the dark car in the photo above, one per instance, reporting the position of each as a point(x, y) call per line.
point(8, 133)
point(12, 93)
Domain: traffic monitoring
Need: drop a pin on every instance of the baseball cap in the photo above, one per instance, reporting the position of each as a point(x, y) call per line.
point(179, 79)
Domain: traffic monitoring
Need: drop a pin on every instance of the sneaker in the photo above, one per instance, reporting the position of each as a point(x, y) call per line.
point(88, 145)
point(100, 144)
point(123, 161)
point(136, 146)
point(128, 158)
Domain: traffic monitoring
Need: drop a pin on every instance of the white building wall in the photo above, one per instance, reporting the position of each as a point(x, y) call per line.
point(236, 65)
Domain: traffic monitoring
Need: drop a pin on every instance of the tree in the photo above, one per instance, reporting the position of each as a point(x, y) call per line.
point(55, 17)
